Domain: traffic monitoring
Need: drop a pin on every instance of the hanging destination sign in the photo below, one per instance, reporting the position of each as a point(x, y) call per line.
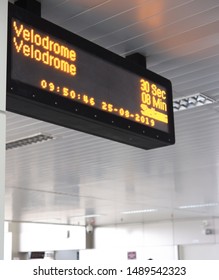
point(98, 91)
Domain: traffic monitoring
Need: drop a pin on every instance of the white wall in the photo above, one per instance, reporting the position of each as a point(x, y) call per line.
point(159, 240)
point(7, 243)
point(3, 51)
point(199, 252)
point(193, 231)
point(196, 245)
point(2, 177)
point(29, 237)
point(118, 254)
point(154, 240)
point(134, 235)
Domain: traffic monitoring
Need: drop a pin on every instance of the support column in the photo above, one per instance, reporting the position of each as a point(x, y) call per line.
point(3, 59)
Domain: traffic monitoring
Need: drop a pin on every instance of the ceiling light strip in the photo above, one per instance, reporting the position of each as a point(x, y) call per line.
point(139, 211)
point(198, 205)
point(34, 139)
point(192, 101)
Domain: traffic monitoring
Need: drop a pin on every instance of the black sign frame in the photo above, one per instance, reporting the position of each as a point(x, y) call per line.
point(23, 98)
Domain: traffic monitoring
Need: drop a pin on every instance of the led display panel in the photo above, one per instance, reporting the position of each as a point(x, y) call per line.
point(60, 77)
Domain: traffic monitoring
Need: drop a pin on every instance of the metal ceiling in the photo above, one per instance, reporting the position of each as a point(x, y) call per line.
point(75, 174)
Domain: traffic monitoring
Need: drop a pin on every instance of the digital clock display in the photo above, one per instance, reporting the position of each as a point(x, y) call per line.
point(65, 69)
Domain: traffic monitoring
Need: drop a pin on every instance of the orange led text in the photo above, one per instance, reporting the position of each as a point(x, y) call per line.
point(30, 43)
